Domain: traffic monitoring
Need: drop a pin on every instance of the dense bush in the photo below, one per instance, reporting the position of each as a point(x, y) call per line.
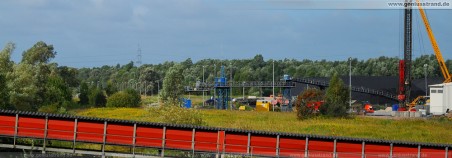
point(97, 98)
point(136, 97)
point(52, 108)
point(123, 99)
point(178, 115)
point(308, 97)
point(58, 108)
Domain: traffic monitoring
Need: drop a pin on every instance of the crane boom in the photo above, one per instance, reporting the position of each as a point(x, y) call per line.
point(439, 56)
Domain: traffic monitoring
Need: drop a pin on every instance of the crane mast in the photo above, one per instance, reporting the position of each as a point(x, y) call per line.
point(405, 64)
point(439, 56)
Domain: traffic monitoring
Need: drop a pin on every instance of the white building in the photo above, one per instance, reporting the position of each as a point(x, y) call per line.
point(440, 98)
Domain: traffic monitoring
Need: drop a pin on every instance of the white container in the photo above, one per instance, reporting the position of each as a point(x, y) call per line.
point(440, 98)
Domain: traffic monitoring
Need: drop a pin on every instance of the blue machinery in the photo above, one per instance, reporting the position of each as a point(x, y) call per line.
point(287, 105)
point(221, 91)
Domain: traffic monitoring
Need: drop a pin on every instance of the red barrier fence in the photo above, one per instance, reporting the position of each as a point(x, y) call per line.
point(18, 124)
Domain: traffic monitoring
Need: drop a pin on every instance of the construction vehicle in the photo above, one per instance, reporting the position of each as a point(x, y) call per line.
point(422, 100)
point(367, 108)
point(263, 105)
point(404, 68)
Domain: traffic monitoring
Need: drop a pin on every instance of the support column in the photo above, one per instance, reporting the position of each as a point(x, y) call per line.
point(419, 151)
point(218, 143)
point(248, 149)
point(162, 154)
point(45, 135)
point(193, 142)
point(277, 145)
point(15, 129)
point(134, 138)
point(334, 149)
point(447, 151)
point(306, 153)
point(223, 142)
point(390, 150)
point(75, 136)
point(104, 139)
point(363, 150)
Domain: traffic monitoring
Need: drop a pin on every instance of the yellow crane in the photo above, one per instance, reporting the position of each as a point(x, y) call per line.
point(439, 56)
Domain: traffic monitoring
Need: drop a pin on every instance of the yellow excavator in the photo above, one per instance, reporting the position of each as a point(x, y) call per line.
point(439, 56)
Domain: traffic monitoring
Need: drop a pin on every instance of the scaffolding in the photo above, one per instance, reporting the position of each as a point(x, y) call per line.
point(221, 90)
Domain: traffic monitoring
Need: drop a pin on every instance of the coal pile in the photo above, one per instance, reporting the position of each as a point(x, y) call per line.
point(384, 83)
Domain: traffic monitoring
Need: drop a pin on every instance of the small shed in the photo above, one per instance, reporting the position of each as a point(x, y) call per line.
point(440, 98)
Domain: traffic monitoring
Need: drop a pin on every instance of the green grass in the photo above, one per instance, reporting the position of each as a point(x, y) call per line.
point(416, 130)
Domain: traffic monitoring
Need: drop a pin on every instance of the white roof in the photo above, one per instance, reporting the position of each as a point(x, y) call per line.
point(441, 85)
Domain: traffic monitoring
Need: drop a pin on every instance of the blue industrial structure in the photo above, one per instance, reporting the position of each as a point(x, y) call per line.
point(287, 98)
point(221, 90)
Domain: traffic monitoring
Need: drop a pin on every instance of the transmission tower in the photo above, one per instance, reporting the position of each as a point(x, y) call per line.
point(139, 55)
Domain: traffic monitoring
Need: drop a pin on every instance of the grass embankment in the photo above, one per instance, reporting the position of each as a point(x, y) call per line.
point(417, 130)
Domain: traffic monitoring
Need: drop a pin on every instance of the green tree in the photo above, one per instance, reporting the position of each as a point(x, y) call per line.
point(149, 76)
point(57, 92)
point(39, 53)
point(111, 88)
point(6, 68)
point(97, 98)
point(6, 65)
point(172, 85)
point(30, 76)
point(69, 75)
point(23, 88)
point(336, 98)
point(4, 93)
point(83, 95)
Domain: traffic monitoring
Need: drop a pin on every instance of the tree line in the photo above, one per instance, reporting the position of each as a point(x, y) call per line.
point(149, 77)
point(37, 84)
point(36, 81)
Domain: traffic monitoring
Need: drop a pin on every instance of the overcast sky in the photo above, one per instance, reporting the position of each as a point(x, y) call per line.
point(88, 33)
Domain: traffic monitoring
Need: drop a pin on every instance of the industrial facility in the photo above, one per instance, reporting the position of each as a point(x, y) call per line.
point(405, 99)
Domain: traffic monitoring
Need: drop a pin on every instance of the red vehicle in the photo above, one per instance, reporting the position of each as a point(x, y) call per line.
point(368, 107)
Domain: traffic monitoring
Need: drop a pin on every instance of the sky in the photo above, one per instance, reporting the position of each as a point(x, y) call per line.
point(93, 33)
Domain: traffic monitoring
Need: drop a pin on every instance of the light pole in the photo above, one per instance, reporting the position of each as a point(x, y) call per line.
point(230, 86)
point(350, 84)
point(243, 94)
point(214, 71)
point(273, 84)
point(214, 88)
point(425, 75)
point(203, 84)
point(140, 87)
point(158, 92)
point(145, 89)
